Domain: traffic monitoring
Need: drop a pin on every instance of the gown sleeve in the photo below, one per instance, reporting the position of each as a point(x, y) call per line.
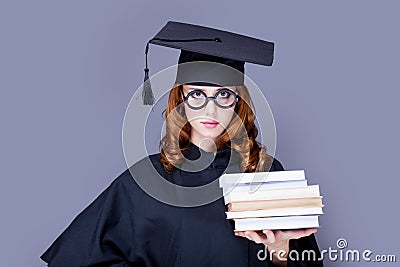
point(101, 235)
point(303, 246)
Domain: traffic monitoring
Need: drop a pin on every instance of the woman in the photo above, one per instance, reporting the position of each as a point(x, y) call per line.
point(208, 125)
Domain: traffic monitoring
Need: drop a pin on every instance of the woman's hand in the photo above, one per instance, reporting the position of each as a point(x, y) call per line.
point(276, 240)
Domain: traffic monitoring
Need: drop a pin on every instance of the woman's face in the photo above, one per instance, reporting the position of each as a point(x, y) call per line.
point(210, 121)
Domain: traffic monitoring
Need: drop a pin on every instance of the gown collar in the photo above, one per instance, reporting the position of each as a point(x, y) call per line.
point(221, 159)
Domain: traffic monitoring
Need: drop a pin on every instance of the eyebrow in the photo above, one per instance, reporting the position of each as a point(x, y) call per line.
point(219, 89)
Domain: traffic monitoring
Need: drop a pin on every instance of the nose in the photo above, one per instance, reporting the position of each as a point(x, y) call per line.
point(211, 108)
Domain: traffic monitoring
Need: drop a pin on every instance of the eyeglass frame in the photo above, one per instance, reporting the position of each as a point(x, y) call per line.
point(208, 98)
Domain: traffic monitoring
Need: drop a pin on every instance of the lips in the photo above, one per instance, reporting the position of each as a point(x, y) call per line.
point(210, 124)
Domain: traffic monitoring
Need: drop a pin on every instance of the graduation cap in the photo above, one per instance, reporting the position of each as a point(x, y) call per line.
point(202, 45)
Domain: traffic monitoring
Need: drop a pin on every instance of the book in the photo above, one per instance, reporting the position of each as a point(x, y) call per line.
point(273, 223)
point(274, 212)
point(271, 200)
point(275, 203)
point(263, 186)
point(260, 177)
point(278, 193)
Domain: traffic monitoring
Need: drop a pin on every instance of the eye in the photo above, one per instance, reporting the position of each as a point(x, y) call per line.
point(224, 93)
point(197, 94)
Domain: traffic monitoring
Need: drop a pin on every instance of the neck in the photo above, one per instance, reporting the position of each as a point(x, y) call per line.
point(206, 144)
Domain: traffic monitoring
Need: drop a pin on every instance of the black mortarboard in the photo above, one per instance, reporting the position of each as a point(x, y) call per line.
point(199, 44)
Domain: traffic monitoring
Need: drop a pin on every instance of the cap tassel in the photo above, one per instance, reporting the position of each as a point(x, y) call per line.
point(147, 93)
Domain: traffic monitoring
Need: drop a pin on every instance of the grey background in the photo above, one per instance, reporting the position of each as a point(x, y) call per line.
point(69, 68)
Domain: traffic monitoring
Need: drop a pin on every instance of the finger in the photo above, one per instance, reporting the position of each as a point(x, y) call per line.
point(280, 235)
point(296, 234)
point(270, 236)
point(239, 233)
point(251, 235)
point(310, 231)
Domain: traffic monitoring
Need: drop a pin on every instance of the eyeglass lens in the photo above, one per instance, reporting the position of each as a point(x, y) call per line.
point(224, 98)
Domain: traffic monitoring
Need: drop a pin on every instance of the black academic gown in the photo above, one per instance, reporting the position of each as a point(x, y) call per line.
point(124, 226)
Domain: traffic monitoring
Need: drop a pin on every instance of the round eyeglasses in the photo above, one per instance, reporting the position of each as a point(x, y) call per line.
point(224, 98)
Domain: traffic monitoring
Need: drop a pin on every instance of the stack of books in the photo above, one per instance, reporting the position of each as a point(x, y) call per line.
point(271, 200)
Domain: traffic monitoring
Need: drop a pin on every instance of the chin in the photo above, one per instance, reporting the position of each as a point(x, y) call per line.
point(212, 136)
